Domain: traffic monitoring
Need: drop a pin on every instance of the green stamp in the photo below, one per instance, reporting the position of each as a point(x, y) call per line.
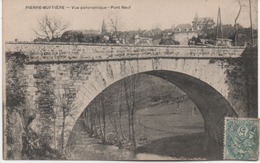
point(241, 139)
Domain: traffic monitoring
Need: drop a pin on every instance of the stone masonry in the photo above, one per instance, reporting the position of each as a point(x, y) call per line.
point(84, 70)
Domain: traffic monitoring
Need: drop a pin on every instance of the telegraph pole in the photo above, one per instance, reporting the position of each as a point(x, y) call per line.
point(219, 24)
point(251, 25)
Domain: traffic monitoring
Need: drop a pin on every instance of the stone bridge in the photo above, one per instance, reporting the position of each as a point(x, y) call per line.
point(213, 77)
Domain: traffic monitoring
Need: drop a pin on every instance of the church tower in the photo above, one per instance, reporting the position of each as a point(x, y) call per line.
point(195, 21)
point(103, 28)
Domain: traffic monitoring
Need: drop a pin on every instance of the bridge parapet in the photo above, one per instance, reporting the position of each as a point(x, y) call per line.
point(69, 52)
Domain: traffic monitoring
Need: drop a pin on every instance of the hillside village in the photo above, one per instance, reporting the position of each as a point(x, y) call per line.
point(201, 31)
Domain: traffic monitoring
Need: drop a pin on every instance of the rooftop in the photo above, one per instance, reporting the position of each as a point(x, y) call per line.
point(183, 28)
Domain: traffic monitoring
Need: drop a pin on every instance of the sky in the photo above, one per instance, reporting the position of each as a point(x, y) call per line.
point(18, 20)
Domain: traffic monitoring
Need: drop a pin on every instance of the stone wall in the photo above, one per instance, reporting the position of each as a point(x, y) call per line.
point(14, 118)
point(242, 81)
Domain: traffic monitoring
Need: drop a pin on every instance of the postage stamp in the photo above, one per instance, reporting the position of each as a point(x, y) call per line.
point(241, 139)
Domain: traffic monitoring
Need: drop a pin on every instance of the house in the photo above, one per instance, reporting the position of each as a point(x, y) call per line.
point(202, 22)
point(183, 33)
point(183, 28)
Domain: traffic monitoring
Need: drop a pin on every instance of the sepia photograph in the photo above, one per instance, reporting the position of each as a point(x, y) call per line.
point(130, 80)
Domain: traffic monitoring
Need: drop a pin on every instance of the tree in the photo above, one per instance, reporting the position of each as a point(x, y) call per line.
point(102, 116)
point(92, 121)
point(65, 109)
point(130, 97)
point(49, 27)
point(119, 111)
point(115, 116)
point(72, 36)
point(115, 25)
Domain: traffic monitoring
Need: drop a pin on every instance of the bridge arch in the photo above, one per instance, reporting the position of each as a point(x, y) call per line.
point(199, 79)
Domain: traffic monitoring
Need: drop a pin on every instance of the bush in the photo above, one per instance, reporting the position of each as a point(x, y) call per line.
point(168, 42)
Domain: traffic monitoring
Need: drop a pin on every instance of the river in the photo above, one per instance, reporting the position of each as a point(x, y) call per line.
point(172, 135)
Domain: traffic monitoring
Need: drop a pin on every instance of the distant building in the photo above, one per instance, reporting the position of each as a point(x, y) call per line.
point(183, 28)
point(202, 22)
point(115, 39)
point(183, 33)
point(143, 40)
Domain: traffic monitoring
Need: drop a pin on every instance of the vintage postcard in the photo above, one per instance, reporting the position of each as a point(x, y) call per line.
point(130, 80)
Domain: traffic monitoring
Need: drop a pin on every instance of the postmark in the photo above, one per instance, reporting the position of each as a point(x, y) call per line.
point(241, 139)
